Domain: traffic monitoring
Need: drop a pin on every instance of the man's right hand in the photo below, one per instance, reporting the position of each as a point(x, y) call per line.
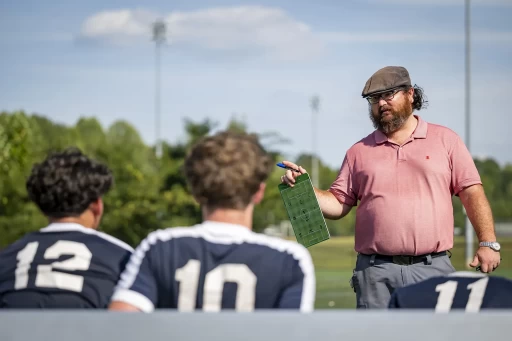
point(290, 176)
point(330, 206)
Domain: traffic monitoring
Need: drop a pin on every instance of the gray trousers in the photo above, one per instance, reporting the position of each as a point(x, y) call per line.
point(374, 280)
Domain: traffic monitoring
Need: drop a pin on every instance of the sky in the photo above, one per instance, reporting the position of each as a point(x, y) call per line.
point(260, 62)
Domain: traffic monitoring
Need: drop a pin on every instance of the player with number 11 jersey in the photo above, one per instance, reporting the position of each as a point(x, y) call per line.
point(462, 290)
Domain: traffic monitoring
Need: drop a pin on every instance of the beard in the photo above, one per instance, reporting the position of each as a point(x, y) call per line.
point(394, 119)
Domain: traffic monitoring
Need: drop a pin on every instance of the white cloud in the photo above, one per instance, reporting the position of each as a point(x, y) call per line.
point(119, 27)
point(245, 29)
point(249, 31)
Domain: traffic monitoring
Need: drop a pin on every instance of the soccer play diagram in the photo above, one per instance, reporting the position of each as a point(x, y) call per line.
point(304, 212)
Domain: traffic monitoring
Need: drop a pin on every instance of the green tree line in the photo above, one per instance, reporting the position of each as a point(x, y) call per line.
point(151, 193)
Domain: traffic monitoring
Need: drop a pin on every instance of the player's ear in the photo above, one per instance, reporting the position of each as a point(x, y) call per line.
point(97, 209)
point(258, 196)
point(410, 94)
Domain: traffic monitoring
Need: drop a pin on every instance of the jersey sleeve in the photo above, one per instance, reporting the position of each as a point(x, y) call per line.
point(299, 290)
point(137, 285)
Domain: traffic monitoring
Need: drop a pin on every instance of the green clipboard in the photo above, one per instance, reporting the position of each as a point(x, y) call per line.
point(304, 212)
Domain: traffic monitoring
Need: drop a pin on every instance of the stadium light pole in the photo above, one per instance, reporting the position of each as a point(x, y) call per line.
point(315, 105)
point(467, 24)
point(159, 32)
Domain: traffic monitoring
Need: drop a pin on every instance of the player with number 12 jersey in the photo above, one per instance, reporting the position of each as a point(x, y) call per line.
point(64, 265)
point(68, 264)
point(462, 290)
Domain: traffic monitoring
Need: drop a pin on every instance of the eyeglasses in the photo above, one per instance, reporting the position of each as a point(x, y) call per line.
point(387, 96)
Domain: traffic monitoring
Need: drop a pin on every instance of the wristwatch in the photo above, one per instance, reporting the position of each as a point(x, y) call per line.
point(493, 245)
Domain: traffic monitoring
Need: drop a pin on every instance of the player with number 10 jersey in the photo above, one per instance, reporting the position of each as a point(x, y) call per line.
point(215, 266)
point(221, 263)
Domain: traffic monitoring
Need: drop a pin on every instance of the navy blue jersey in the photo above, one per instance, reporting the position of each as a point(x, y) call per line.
point(469, 291)
point(64, 265)
point(215, 266)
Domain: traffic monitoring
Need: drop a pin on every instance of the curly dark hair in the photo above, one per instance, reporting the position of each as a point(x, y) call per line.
point(226, 170)
point(419, 98)
point(67, 182)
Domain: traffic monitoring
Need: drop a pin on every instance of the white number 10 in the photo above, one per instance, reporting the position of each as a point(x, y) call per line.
point(447, 293)
point(46, 277)
point(188, 276)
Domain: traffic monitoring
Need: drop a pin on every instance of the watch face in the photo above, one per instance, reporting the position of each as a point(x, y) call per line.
point(496, 246)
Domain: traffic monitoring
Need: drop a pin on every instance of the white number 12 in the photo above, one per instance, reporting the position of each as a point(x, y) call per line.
point(46, 277)
point(447, 293)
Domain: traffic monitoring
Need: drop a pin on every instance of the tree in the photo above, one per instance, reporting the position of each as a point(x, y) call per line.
point(196, 131)
point(91, 138)
point(237, 125)
point(14, 142)
point(151, 193)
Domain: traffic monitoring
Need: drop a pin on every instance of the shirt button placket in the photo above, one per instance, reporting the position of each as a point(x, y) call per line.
point(401, 154)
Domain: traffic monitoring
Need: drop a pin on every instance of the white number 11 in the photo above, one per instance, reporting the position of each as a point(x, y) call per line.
point(447, 293)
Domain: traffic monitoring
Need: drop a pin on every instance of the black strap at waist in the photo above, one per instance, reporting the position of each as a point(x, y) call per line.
point(409, 259)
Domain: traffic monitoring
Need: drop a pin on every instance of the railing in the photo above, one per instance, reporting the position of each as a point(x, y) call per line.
point(338, 325)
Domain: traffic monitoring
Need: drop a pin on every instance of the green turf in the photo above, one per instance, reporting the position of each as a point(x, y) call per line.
point(334, 260)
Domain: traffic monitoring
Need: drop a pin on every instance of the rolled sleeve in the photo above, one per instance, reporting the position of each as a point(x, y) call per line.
point(464, 171)
point(344, 186)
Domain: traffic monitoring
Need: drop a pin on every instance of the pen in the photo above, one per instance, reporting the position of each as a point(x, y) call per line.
point(282, 165)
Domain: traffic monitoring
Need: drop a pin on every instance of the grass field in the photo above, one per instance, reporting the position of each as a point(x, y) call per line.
point(334, 260)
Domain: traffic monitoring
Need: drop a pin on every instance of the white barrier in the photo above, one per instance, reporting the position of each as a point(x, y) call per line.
point(339, 325)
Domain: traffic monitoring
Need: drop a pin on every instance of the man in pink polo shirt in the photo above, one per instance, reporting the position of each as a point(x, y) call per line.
point(402, 178)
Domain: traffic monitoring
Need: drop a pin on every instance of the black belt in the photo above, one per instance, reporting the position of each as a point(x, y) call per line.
point(409, 260)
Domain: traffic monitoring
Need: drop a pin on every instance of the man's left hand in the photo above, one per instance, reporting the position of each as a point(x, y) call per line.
point(488, 259)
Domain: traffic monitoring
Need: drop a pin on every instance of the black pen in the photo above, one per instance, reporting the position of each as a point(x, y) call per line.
point(282, 165)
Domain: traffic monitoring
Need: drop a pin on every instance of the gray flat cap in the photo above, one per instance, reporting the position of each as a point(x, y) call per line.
point(387, 78)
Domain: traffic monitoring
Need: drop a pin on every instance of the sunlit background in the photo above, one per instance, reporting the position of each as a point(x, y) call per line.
point(96, 74)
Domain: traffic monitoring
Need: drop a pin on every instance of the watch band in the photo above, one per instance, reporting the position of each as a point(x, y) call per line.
point(493, 245)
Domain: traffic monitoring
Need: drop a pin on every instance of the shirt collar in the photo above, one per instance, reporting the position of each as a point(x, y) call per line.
point(63, 227)
point(421, 129)
point(221, 228)
point(419, 133)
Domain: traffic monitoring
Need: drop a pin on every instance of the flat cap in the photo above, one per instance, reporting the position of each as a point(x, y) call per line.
point(387, 78)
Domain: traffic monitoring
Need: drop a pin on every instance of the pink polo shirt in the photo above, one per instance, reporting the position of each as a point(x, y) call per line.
point(405, 192)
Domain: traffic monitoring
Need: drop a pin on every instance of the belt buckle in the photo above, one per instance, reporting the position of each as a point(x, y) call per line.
point(402, 260)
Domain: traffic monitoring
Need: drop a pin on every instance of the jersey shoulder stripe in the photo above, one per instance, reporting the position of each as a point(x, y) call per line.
point(68, 227)
point(220, 233)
